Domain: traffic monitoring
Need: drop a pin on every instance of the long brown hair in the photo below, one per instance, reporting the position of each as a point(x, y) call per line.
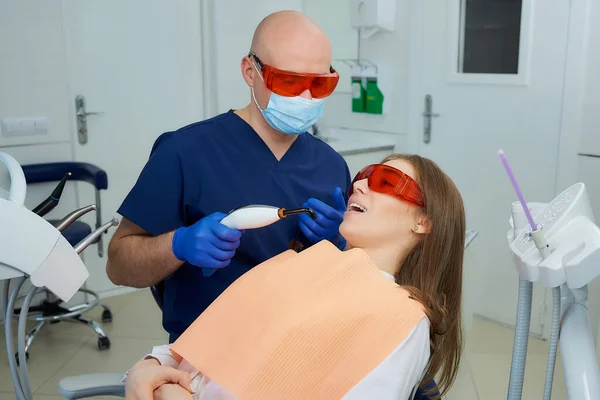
point(432, 272)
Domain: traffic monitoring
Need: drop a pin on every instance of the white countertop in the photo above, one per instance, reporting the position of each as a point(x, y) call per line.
point(349, 141)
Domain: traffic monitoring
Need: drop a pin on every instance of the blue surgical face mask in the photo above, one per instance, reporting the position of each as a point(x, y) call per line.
point(291, 115)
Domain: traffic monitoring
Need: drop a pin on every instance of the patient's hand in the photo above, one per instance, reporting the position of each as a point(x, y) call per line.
point(148, 375)
point(172, 392)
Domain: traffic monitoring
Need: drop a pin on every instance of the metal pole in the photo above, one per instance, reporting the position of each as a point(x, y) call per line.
point(582, 374)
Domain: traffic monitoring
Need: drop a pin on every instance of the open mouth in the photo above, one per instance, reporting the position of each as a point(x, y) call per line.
point(357, 208)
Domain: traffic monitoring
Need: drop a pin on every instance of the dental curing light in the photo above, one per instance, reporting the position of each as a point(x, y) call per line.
point(257, 216)
point(563, 252)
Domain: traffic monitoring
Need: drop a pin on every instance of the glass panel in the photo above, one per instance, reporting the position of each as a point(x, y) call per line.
point(490, 36)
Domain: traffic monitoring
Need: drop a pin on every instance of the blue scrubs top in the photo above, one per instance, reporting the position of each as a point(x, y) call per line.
point(215, 166)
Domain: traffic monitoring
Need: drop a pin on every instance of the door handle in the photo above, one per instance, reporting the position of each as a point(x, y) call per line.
point(427, 114)
point(82, 114)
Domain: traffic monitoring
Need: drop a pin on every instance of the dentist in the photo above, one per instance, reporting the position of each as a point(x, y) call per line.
point(260, 154)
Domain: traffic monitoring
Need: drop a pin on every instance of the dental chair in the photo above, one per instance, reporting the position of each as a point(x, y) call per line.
point(50, 310)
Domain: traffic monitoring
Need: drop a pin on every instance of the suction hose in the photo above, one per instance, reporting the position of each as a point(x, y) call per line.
point(519, 357)
point(21, 333)
point(12, 362)
point(554, 338)
point(521, 340)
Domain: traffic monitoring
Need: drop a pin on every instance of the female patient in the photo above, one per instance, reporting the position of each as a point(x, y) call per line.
point(408, 217)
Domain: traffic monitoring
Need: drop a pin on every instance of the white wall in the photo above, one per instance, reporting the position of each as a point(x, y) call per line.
point(585, 135)
point(34, 84)
point(388, 50)
point(590, 118)
point(333, 17)
point(33, 67)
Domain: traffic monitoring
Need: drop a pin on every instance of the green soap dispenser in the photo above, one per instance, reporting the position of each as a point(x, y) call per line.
point(359, 95)
point(374, 103)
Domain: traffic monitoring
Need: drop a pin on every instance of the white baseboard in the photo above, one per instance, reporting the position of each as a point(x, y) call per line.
point(118, 291)
point(505, 325)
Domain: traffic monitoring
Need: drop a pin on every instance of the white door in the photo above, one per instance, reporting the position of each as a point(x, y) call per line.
point(494, 71)
point(139, 63)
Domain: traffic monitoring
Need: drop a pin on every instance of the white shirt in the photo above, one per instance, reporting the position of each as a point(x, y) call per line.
point(395, 378)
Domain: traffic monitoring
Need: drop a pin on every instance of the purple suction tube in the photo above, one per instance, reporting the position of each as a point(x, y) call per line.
point(517, 189)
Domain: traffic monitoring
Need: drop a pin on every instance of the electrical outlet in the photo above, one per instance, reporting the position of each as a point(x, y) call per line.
point(24, 126)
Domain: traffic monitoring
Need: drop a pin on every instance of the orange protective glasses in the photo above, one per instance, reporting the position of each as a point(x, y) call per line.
point(291, 84)
point(388, 180)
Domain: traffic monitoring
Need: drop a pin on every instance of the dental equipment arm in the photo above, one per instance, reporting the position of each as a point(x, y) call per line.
point(73, 216)
point(16, 196)
point(21, 334)
point(91, 238)
point(18, 184)
point(523, 321)
point(52, 201)
point(22, 327)
point(565, 256)
point(257, 216)
point(8, 321)
point(30, 247)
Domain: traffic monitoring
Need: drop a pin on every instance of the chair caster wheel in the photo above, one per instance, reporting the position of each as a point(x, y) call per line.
point(17, 358)
point(103, 343)
point(106, 316)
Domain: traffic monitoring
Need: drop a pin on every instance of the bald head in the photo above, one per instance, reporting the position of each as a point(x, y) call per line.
point(291, 41)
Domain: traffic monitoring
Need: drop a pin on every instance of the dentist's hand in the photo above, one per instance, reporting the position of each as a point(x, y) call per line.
point(327, 224)
point(207, 243)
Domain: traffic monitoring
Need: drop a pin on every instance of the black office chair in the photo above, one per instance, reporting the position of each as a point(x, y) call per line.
point(158, 292)
point(51, 311)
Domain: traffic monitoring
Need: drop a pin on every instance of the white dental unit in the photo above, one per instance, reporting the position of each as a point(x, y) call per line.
point(31, 248)
point(563, 252)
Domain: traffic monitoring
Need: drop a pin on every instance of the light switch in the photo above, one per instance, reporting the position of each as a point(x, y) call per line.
point(25, 126)
point(10, 127)
point(41, 124)
point(15, 126)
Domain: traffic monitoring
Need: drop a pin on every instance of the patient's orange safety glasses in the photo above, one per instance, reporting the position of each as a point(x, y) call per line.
point(291, 84)
point(388, 180)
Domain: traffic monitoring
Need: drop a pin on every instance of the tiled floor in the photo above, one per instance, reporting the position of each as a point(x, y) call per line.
point(66, 349)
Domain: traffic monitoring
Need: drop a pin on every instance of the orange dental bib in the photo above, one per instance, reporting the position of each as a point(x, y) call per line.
point(300, 326)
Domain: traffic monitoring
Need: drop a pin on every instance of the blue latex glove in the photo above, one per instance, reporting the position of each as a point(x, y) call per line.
point(327, 224)
point(207, 244)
